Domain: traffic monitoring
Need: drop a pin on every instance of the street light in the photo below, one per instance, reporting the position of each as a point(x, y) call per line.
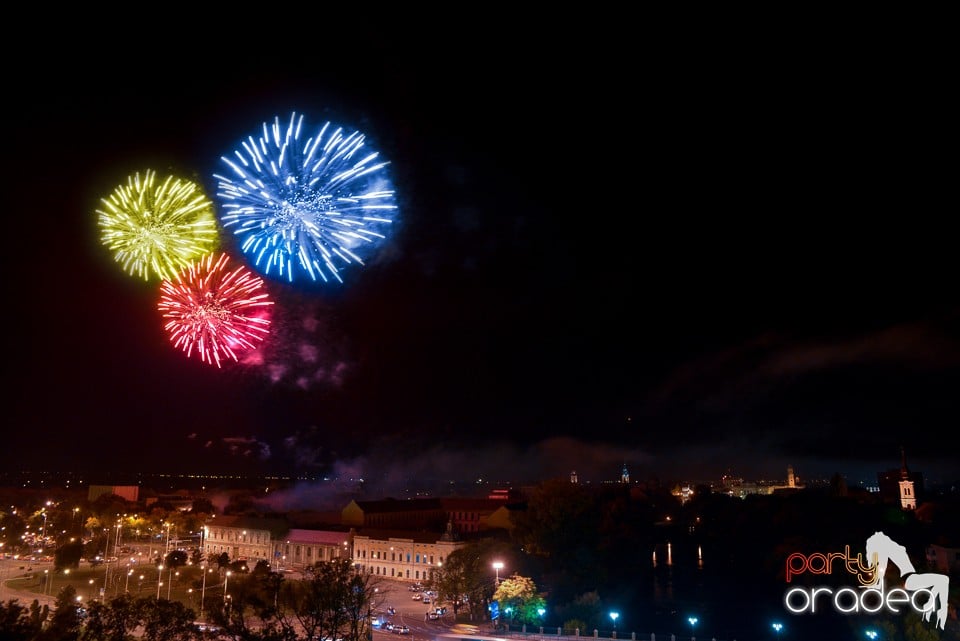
point(225, 579)
point(159, 582)
point(203, 588)
point(614, 616)
point(871, 634)
point(777, 627)
point(498, 565)
point(693, 623)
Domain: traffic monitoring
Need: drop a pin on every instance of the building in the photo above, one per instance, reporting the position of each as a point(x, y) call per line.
point(943, 559)
point(902, 485)
point(413, 514)
point(504, 494)
point(793, 483)
point(469, 515)
point(405, 556)
point(300, 548)
point(502, 517)
point(244, 538)
point(127, 492)
point(176, 501)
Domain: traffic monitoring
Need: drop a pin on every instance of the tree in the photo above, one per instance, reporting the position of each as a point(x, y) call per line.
point(519, 600)
point(248, 612)
point(584, 611)
point(165, 620)
point(16, 623)
point(560, 526)
point(463, 573)
point(93, 546)
point(176, 559)
point(65, 623)
point(333, 602)
point(467, 571)
point(112, 621)
point(68, 555)
point(203, 506)
point(108, 506)
point(574, 626)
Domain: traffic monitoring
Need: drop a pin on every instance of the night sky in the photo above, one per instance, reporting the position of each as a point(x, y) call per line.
point(691, 261)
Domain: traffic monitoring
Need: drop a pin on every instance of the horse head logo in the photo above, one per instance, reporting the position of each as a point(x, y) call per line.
point(882, 550)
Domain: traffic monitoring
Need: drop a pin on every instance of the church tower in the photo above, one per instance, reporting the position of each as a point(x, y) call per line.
point(908, 499)
point(624, 474)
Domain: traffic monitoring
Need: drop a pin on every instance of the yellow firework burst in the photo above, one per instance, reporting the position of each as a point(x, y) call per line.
point(156, 229)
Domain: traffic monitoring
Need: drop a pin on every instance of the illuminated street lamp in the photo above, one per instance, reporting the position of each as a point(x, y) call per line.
point(498, 565)
point(159, 582)
point(777, 627)
point(203, 587)
point(693, 623)
point(225, 579)
point(614, 616)
point(871, 634)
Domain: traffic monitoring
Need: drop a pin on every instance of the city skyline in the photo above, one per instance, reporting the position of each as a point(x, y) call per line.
point(576, 276)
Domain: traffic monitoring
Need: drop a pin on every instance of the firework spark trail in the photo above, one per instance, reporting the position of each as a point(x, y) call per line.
point(216, 312)
point(303, 207)
point(156, 230)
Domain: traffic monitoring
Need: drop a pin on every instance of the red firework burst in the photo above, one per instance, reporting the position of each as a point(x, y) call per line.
point(216, 312)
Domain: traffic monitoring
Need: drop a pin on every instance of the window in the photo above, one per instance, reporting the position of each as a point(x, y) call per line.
point(418, 559)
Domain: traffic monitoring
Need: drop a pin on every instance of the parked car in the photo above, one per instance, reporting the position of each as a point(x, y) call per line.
point(391, 611)
point(417, 596)
point(401, 629)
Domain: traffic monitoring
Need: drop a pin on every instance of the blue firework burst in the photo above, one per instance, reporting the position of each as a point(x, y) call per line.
point(306, 206)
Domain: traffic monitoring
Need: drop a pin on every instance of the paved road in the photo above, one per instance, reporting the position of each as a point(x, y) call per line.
point(16, 576)
point(410, 613)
